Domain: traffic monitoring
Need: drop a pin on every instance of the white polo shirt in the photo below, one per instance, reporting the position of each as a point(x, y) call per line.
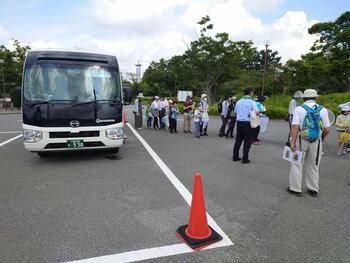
point(155, 105)
point(299, 114)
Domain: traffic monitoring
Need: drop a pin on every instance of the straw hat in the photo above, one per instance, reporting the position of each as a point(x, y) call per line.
point(310, 93)
point(204, 95)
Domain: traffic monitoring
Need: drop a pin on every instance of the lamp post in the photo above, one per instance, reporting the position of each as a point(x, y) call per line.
point(3, 80)
point(267, 43)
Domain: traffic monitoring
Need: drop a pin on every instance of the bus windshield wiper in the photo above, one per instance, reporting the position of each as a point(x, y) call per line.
point(39, 102)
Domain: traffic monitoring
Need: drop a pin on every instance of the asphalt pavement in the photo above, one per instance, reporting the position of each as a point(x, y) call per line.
point(74, 206)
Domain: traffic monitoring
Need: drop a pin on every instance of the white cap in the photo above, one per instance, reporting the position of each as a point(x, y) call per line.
point(156, 97)
point(140, 95)
point(310, 93)
point(204, 95)
point(345, 108)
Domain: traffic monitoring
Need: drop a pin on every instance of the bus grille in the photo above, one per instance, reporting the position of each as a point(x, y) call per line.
point(53, 135)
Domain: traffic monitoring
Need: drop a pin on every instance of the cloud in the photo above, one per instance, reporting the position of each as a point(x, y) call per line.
point(42, 44)
point(261, 6)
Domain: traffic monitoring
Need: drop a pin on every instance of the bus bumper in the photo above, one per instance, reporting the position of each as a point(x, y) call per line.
point(48, 139)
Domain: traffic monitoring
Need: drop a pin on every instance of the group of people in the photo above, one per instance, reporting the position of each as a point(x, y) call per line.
point(309, 125)
point(162, 114)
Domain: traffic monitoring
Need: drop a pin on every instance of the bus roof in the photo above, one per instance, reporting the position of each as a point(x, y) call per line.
point(56, 56)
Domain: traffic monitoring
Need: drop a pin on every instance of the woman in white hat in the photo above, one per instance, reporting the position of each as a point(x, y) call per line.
point(205, 116)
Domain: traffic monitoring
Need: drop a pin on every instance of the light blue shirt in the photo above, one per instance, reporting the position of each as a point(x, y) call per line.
point(243, 108)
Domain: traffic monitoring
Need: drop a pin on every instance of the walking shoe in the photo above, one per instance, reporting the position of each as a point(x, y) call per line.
point(313, 193)
point(288, 144)
point(339, 153)
point(231, 136)
point(245, 161)
point(344, 152)
point(298, 194)
point(198, 137)
point(235, 159)
point(205, 134)
point(255, 143)
point(185, 131)
point(189, 131)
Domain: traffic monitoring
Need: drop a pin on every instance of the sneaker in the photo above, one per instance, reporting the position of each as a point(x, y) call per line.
point(245, 161)
point(345, 152)
point(298, 194)
point(339, 153)
point(255, 143)
point(236, 159)
point(185, 131)
point(189, 131)
point(313, 193)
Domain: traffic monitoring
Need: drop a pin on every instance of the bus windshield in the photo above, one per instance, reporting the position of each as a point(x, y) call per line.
point(60, 82)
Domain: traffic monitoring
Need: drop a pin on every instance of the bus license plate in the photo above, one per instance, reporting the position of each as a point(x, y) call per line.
point(75, 143)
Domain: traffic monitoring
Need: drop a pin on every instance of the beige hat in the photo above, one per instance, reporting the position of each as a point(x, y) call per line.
point(170, 101)
point(298, 94)
point(204, 95)
point(310, 93)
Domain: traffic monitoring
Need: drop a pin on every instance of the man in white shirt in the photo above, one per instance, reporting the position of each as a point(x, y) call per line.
point(295, 102)
point(312, 148)
point(224, 119)
point(155, 112)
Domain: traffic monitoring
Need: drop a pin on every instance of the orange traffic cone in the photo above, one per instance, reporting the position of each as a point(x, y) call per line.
point(197, 234)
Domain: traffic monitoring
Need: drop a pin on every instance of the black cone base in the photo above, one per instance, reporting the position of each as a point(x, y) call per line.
point(197, 244)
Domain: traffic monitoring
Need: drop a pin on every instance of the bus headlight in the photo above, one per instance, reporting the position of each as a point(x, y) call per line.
point(115, 133)
point(32, 136)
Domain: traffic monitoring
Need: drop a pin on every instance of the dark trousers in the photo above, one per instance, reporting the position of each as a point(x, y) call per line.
point(149, 122)
point(256, 133)
point(172, 125)
point(244, 133)
point(161, 115)
point(231, 126)
point(155, 123)
point(138, 120)
point(223, 126)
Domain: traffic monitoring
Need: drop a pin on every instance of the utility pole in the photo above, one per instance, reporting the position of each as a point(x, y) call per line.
point(267, 43)
point(138, 71)
point(3, 81)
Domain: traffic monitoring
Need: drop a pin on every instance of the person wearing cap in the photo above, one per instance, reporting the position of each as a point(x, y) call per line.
point(231, 116)
point(244, 107)
point(204, 113)
point(138, 111)
point(312, 148)
point(343, 127)
point(155, 113)
point(295, 102)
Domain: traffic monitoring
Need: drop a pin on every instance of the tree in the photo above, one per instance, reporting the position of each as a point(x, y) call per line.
point(334, 44)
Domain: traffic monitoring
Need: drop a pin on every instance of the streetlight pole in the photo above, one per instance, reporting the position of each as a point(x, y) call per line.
point(267, 43)
point(3, 81)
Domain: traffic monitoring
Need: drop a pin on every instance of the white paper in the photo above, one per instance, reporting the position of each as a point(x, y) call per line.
point(293, 157)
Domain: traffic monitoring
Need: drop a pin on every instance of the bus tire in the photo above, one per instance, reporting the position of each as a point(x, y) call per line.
point(114, 150)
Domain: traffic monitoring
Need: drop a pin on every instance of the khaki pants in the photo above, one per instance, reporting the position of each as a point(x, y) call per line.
point(310, 168)
point(187, 122)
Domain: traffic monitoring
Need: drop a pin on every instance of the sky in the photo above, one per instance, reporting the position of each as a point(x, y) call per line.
point(140, 30)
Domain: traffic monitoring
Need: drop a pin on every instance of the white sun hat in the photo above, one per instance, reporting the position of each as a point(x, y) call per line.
point(310, 93)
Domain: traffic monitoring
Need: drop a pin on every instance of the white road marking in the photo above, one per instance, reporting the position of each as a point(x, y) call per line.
point(10, 140)
point(164, 251)
point(9, 132)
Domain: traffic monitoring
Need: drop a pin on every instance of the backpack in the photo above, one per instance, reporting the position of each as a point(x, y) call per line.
point(312, 126)
point(220, 106)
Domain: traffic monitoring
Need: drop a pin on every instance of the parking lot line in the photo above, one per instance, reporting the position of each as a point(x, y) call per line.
point(10, 140)
point(10, 132)
point(163, 251)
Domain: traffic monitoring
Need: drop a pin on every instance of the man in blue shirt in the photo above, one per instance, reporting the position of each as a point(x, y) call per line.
point(244, 107)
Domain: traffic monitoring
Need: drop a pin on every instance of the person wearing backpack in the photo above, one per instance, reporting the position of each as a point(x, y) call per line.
point(223, 115)
point(310, 126)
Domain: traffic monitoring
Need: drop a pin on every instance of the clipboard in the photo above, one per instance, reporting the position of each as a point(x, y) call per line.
point(296, 157)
